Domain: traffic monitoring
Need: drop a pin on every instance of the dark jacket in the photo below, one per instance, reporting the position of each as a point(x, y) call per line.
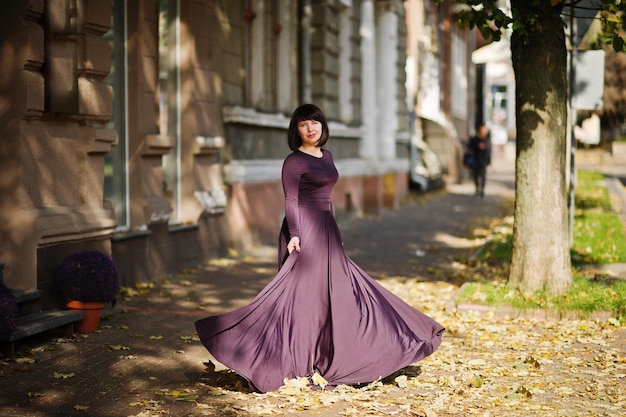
point(481, 148)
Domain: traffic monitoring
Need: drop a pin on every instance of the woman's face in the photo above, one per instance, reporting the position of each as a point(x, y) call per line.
point(310, 132)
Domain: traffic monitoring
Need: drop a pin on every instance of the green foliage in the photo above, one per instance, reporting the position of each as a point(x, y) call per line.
point(613, 24)
point(491, 20)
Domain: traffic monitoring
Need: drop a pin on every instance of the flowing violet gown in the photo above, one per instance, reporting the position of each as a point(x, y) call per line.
point(321, 312)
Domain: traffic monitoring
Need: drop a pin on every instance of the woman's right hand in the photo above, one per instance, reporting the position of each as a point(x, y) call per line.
point(294, 243)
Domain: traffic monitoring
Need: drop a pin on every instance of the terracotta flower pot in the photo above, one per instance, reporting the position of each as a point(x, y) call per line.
point(92, 310)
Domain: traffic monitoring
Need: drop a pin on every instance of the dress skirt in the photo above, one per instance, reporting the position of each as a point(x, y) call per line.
point(320, 313)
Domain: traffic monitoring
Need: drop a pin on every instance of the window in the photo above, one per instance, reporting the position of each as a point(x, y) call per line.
point(169, 100)
point(115, 167)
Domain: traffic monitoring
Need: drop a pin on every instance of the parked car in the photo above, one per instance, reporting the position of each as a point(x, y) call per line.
point(426, 173)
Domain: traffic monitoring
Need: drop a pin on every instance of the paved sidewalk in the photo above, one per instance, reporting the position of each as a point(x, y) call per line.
point(146, 360)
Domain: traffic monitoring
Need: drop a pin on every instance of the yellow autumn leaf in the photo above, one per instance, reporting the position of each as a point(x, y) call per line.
point(118, 347)
point(319, 380)
point(189, 339)
point(294, 385)
point(476, 382)
point(156, 337)
point(81, 407)
point(60, 375)
point(25, 360)
point(401, 381)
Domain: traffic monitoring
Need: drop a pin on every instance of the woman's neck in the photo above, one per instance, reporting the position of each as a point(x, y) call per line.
point(311, 150)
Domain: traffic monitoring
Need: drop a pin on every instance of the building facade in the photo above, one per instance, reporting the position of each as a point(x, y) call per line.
point(154, 130)
point(441, 80)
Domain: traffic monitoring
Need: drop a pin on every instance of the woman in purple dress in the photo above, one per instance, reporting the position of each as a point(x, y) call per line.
point(321, 313)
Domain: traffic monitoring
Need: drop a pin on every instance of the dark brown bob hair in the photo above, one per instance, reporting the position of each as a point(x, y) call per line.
point(306, 112)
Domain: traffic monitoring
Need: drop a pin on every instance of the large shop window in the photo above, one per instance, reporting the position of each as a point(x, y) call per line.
point(115, 163)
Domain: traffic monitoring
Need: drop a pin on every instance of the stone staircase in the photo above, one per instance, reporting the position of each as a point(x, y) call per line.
point(32, 320)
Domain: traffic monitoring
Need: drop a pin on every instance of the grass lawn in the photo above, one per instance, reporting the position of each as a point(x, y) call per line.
point(599, 238)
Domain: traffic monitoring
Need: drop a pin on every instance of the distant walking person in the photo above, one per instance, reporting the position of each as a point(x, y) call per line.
point(480, 147)
point(321, 313)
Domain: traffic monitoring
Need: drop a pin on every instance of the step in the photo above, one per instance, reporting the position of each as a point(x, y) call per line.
point(26, 295)
point(40, 322)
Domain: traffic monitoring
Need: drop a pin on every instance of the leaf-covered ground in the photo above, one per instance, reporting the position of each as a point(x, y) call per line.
point(146, 361)
point(485, 367)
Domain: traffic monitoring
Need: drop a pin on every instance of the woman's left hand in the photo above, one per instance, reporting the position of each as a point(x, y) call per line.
point(294, 243)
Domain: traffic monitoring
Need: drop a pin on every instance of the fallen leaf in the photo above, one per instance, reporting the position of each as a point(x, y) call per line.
point(401, 381)
point(319, 380)
point(60, 375)
point(476, 383)
point(615, 322)
point(25, 360)
point(189, 339)
point(81, 407)
point(209, 366)
point(118, 347)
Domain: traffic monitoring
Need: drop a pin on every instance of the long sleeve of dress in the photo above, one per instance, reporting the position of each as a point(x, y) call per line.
point(291, 175)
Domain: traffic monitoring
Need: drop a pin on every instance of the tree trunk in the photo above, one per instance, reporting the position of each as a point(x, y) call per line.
point(540, 258)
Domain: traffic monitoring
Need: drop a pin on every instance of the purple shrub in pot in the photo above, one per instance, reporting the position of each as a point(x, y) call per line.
point(88, 276)
point(8, 312)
